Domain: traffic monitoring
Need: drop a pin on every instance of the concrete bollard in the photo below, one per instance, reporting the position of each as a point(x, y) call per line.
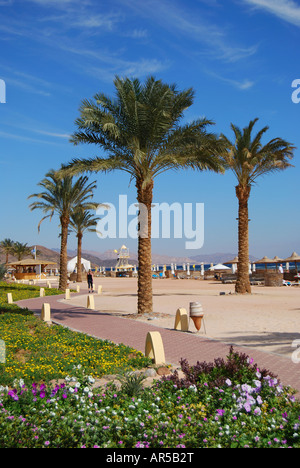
point(67, 294)
point(181, 320)
point(91, 302)
point(78, 288)
point(9, 298)
point(42, 292)
point(154, 348)
point(46, 313)
point(99, 290)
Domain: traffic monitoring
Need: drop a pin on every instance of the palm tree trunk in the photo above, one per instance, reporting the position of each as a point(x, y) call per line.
point(79, 249)
point(243, 281)
point(63, 274)
point(145, 299)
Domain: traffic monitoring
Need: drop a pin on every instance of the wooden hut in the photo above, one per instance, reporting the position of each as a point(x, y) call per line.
point(30, 269)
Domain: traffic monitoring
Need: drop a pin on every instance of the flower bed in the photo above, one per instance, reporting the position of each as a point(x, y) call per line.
point(35, 351)
point(226, 404)
point(23, 291)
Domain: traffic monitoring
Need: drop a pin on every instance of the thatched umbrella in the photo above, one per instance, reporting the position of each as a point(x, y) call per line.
point(277, 260)
point(265, 260)
point(293, 258)
point(233, 264)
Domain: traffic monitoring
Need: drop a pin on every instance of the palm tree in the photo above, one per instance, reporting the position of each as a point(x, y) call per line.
point(249, 159)
point(82, 220)
point(141, 134)
point(6, 246)
point(20, 250)
point(61, 196)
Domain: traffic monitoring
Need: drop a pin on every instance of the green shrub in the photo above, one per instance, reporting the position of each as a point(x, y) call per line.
point(2, 271)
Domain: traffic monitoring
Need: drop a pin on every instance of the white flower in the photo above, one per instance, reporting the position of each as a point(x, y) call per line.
point(193, 388)
point(228, 382)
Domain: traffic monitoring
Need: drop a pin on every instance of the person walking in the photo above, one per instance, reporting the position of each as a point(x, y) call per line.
point(90, 280)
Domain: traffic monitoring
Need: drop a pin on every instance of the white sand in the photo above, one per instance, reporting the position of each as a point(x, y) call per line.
point(268, 319)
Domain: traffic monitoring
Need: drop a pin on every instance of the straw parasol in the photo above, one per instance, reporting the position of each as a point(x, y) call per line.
point(265, 260)
point(293, 258)
point(277, 260)
point(231, 262)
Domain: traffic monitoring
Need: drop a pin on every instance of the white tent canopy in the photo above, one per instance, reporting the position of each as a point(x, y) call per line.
point(219, 266)
point(72, 265)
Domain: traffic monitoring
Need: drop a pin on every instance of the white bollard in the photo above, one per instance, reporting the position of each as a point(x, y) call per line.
point(42, 292)
point(67, 294)
point(99, 290)
point(46, 313)
point(91, 302)
point(9, 298)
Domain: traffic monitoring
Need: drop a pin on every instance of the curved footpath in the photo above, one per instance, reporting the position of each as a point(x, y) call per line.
point(177, 344)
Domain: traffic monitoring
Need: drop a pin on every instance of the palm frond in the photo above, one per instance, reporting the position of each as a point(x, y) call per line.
point(248, 158)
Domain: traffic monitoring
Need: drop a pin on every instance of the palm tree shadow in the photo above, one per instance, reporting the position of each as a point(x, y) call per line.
point(281, 340)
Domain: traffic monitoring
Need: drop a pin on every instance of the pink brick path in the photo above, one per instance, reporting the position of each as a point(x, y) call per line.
point(177, 345)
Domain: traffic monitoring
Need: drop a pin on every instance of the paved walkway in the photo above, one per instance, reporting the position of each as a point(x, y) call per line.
point(177, 344)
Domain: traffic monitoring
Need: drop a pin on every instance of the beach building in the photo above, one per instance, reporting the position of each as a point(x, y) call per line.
point(30, 269)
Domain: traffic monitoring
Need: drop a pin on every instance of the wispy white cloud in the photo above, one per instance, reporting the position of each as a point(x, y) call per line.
point(27, 82)
point(19, 137)
point(53, 134)
point(242, 85)
point(287, 10)
point(105, 65)
point(180, 20)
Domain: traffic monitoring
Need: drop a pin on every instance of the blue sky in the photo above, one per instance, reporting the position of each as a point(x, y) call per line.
point(240, 56)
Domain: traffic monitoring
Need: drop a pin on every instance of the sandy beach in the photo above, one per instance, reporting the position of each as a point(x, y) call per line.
point(267, 320)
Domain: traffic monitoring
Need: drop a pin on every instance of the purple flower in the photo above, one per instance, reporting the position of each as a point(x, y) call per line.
point(247, 407)
point(220, 412)
point(13, 395)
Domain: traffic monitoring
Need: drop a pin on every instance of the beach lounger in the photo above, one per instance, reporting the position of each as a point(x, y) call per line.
point(286, 283)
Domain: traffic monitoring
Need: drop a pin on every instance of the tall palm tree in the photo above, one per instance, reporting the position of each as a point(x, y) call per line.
point(249, 159)
point(81, 221)
point(6, 246)
point(141, 134)
point(61, 196)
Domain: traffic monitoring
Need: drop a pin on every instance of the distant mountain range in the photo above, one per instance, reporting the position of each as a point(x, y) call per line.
point(109, 257)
